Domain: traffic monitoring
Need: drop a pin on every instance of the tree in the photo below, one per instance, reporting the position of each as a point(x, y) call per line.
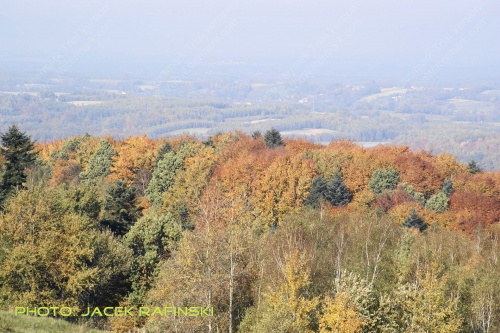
point(256, 135)
point(415, 221)
point(166, 148)
point(318, 191)
point(164, 174)
point(473, 167)
point(337, 192)
point(350, 307)
point(289, 307)
point(99, 164)
point(56, 256)
point(151, 238)
point(134, 154)
point(120, 207)
point(272, 139)
point(18, 154)
point(447, 187)
point(437, 203)
point(384, 180)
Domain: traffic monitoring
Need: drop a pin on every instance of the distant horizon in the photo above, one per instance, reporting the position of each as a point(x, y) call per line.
point(389, 38)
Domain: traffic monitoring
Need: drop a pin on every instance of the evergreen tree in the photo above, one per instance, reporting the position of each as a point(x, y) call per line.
point(164, 174)
point(417, 196)
point(120, 207)
point(256, 135)
point(415, 221)
point(152, 238)
point(17, 150)
point(166, 148)
point(337, 192)
point(99, 163)
point(437, 203)
point(384, 180)
point(272, 139)
point(447, 187)
point(473, 167)
point(318, 192)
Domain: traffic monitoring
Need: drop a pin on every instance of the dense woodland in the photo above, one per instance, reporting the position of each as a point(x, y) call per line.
point(277, 234)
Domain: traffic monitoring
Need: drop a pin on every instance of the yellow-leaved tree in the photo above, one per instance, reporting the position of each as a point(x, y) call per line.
point(289, 307)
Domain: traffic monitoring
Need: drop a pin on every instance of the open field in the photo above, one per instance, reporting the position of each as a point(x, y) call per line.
point(470, 105)
point(260, 121)
point(191, 131)
point(24, 324)
point(385, 92)
point(18, 93)
point(84, 103)
point(310, 131)
point(492, 92)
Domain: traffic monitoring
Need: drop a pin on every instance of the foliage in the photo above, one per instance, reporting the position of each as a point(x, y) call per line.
point(384, 180)
point(18, 154)
point(473, 167)
point(415, 221)
point(99, 164)
point(256, 135)
point(417, 196)
point(438, 202)
point(447, 187)
point(272, 139)
point(318, 191)
point(120, 207)
point(337, 193)
point(152, 238)
point(255, 233)
point(164, 174)
point(57, 257)
point(288, 308)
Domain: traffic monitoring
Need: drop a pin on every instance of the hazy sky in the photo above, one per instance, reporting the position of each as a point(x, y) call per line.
point(418, 33)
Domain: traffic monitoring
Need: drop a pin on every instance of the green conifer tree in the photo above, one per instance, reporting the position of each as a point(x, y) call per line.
point(272, 139)
point(318, 191)
point(447, 187)
point(256, 135)
point(415, 221)
point(99, 164)
point(17, 150)
point(337, 192)
point(437, 203)
point(473, 167)
point(164, 174)
point(384, 180)
point(120, 207)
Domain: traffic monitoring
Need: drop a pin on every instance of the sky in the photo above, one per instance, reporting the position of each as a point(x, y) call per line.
point(418, 35)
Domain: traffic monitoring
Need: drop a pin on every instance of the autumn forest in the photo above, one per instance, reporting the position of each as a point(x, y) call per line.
point(276, 234)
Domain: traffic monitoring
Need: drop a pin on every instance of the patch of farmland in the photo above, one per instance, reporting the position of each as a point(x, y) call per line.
point(385, 92)
point(310, 131)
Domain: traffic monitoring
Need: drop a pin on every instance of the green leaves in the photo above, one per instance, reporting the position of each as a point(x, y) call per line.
point(384, 180)
point(335, 191)
point(438, 202)
point(415, 221)
point(165, 172)
point(120, 207)
point(99, 164)
point(18, 153)
point(272, 139)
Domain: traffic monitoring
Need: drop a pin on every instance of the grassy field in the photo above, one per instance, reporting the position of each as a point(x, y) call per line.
point(385, 92)
point(309, 131)
point(470, 105)
point(24, 324)
point(190, 131)
point(84, 103)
